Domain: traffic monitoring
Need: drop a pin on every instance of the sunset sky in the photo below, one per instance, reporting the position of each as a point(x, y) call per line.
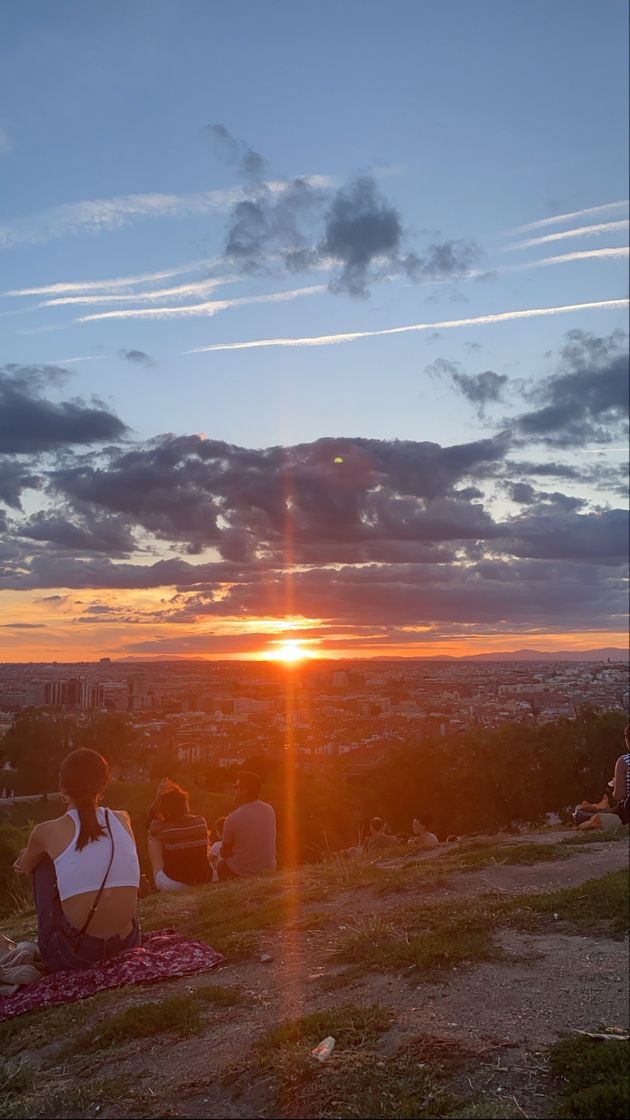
point(314, 327)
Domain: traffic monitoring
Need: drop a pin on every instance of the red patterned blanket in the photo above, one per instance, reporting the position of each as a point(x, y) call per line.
point(162, 955)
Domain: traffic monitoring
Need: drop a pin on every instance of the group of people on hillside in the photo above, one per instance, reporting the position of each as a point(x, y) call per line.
point(86, 872)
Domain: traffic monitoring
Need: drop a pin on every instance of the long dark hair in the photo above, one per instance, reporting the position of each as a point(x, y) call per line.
point(83, 775)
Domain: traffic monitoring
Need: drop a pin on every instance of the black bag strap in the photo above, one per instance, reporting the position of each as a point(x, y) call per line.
point(87, 921)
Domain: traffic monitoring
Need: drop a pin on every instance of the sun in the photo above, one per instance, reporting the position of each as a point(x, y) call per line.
point(289, 651)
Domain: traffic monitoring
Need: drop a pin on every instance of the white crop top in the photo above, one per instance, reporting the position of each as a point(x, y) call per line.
point(80, 872)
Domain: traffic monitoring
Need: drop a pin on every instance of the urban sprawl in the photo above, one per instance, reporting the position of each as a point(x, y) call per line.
point(221, 713)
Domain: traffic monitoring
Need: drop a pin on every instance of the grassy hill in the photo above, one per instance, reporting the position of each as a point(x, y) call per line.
point(453, 984)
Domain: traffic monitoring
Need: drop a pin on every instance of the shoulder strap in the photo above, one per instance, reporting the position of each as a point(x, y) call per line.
point(87, 921)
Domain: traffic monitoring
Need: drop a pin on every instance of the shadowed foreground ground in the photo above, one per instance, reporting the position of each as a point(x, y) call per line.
point(445, 980)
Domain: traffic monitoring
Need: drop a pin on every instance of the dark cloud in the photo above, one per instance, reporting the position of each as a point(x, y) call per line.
point(361, 227)
point(16, 476)
point(23, 625)
point(268, 225)
point(79, 535)
point(30, 423)
point(249, 162)
point(302, 227)
point(138, 357)
point(481, 389)
point(586, 401)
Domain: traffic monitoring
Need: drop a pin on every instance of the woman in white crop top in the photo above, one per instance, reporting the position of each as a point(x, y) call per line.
point(85, 872)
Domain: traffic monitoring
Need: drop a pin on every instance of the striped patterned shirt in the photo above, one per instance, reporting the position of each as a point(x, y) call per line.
point(185, 848)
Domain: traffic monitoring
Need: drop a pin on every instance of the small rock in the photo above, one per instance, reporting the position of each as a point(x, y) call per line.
point(265, 958)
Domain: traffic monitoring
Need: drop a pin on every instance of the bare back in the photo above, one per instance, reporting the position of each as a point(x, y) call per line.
point(117, 906)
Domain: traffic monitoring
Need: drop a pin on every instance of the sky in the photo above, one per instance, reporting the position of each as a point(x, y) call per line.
point(314, 328)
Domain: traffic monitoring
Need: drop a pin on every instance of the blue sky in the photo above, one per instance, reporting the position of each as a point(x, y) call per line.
point(466, 121)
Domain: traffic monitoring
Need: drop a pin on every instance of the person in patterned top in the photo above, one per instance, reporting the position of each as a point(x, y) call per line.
point(178, 841)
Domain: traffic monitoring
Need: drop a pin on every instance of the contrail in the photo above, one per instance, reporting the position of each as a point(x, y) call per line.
point(68, 361)
point(210, 307)
point(447, 324)
point(566, 258)
point(559, 219)
point(113, 285)
point(580, 231)
point(180, 291)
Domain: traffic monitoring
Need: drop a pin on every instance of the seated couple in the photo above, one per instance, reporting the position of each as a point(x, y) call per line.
point(613, 809)
point(179, 846)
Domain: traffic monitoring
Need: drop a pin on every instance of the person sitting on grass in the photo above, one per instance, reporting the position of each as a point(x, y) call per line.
point(178, 841)
point(249, 833)
point(378, 839)
point(422, 839)
point(606, 816)
point(85, 872)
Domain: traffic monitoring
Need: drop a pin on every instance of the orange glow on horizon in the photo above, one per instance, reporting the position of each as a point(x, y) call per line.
point(291, 650)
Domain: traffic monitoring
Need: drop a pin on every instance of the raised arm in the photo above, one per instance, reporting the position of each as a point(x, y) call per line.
point(619, 786)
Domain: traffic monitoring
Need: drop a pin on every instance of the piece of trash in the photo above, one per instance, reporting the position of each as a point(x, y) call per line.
point(556, 917)
point(606, 1036)
point(324, 1049)
point(265, 958)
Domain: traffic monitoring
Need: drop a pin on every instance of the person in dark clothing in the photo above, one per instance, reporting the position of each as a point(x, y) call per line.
point(178, 841)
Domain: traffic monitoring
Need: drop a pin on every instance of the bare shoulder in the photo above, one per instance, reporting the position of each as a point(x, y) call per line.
point(124, 818)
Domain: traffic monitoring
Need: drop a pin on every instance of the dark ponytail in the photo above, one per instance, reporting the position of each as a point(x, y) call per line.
point(83, 775)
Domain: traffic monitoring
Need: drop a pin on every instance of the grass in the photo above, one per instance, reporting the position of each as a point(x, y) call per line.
point(593, 837)
point(438, 935)
point(594, 1078)
point(360, 1079)
point(66, 1100)
point(350, 1026)
point(181, 1014)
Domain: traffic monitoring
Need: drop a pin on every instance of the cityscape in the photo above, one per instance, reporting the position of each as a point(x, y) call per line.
point(203, 713)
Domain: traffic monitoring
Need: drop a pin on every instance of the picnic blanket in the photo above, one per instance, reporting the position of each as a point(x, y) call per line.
point(162, 955)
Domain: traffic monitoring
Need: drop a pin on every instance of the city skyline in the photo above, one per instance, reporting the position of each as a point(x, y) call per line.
point(321, 354)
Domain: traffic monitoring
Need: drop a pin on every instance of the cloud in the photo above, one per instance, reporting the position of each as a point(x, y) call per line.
point(179, 291)
point(137, 357)
point(208, 308)
point(16, 476)
point(106, 214)
point(481, 389)
point(619, 253)
point(249, 162)
point(79, 535)
point(265, 224)
point(581, 231)
point(559, 219)
point(111, 285)
point(354, 336)
point(587, 400)
point(360, 227)
point(30, 423)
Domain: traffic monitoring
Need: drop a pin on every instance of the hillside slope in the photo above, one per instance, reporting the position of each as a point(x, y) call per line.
point(443, 978)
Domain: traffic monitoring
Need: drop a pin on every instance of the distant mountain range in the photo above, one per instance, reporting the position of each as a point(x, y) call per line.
point(605, 654)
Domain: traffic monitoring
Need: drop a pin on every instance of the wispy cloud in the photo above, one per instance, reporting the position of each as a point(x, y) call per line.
point(562, 235)
point(112, 285)
point(566, 258)
point(211, 307)
point(82, 358)
point(354, 336)
point(180, 291)
point(559, 219)
point(102, 214)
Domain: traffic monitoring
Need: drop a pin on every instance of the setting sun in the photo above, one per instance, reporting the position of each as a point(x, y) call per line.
point(288, 651)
